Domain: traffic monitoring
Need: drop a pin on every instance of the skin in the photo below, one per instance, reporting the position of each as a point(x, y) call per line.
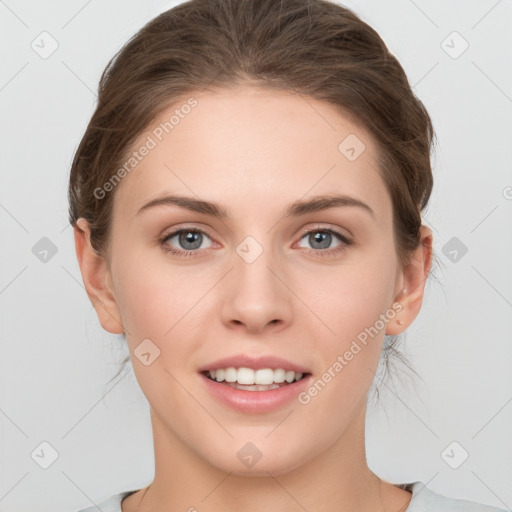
point(255, 151)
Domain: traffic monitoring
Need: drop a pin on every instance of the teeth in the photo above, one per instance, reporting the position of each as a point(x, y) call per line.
point(256, 387)
point(249, 377)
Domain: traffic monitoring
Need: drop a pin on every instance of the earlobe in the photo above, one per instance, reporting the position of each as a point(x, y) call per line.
point(95, 275)
point(414, 276)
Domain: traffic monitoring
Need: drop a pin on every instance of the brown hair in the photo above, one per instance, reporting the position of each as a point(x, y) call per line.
point(312, 47)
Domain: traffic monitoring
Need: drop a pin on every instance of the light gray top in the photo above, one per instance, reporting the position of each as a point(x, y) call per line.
point(423, 500)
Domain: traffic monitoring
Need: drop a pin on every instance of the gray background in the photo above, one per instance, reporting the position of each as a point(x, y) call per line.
point(56, 360)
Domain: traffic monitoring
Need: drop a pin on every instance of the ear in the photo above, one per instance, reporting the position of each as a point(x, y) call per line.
point(412, 279)
point(97, 279)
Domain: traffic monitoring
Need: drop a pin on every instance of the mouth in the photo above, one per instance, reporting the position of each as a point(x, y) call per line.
point(248, 379)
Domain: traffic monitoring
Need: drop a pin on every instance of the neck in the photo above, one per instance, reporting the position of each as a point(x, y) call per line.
point(337, 479)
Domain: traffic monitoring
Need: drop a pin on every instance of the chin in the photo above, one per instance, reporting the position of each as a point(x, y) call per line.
point(249, 461)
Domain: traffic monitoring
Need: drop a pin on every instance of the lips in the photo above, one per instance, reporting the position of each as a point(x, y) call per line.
point(254, 394)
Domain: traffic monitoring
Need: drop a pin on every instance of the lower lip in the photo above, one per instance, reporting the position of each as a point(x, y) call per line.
point(256, 402)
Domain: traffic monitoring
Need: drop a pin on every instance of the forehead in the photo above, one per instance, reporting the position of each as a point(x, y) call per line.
point(247, 143)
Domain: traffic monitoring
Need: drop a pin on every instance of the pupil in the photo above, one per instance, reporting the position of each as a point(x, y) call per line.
point(323, 238)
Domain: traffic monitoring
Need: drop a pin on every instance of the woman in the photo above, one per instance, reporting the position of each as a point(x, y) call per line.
point(247, 205)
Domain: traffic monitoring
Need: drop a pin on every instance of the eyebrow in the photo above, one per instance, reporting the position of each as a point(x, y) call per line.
point(297, 208)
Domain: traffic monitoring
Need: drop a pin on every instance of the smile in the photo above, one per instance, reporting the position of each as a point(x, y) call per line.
point(263, 379)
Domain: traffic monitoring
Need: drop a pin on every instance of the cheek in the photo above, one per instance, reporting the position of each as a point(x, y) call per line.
point(348, 298)
point(155, 307)
point(353, 304)
point(146, 303)
point(161, 302)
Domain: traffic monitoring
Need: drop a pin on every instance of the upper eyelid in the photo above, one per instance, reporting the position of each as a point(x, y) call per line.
point(175, 231)
point(330, 227)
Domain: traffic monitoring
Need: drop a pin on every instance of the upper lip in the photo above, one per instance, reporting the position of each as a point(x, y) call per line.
point(247, 361)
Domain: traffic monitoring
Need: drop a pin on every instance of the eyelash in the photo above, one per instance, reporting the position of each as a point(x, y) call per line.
point(317, 252)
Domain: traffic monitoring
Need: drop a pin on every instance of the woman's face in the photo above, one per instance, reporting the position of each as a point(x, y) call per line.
point(254, 282)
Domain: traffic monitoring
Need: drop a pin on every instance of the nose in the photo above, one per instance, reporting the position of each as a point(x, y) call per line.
point(256, 296)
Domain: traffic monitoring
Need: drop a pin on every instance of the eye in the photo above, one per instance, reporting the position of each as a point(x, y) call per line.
point(189, 241)
point(322, 238)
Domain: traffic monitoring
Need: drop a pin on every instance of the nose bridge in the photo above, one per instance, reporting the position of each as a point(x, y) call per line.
point(255, 296)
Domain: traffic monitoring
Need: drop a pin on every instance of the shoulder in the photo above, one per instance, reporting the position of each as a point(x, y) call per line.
point(425, 500)
point(112, 504)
